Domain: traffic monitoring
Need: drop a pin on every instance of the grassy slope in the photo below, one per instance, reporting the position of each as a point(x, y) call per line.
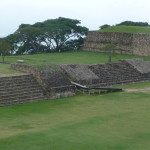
point(116, 121)
point(127, 29)
point(82, 57)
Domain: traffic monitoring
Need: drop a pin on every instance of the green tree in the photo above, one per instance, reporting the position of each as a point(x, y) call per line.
point(12, 39)
point(29, 39)
point(110, 49)
point(4, 48)
point(53, 35)
point(61, 31)
point(104, 26)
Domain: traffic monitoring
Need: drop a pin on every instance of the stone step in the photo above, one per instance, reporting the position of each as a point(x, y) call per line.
point(22, 91)
point(104, 84)
point(16, 81)
point(27, 83)
point(20, 96)
point(14, 78)
point(19, 87)
point(21, 101)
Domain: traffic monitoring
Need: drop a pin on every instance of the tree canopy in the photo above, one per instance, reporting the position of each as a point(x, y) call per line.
point(110, 49)
point(53, 35)
point(132, 23)
point(104, 26)
point(4, 48)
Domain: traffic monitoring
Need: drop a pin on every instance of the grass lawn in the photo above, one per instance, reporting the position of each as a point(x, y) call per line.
point(6, 70)
point(127, 29)
point(82, 57)
point(114, 121)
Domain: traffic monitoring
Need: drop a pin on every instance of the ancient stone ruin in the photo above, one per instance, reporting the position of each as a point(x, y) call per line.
point(51, 82)
point(126, 43)
point(108, 74)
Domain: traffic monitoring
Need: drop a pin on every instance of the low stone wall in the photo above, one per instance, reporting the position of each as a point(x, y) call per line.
point(126, 43)
point(54, 82)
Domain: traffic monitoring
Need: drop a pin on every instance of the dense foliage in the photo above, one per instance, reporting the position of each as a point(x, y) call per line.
point(124, 24)
point(4, 48)
point(104, 26)
point(131, 23)
point(53, 35)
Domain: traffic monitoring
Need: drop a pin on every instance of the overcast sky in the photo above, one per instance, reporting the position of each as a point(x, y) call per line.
point(91, 13)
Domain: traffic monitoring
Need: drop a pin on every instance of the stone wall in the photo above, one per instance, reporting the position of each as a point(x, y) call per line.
point(54, 82)
point(126, 43)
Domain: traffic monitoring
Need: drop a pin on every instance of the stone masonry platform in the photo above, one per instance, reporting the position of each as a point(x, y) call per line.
point(108, 74)
point(50, 82)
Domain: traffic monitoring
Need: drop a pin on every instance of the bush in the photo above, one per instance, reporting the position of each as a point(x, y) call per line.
point(104, 26)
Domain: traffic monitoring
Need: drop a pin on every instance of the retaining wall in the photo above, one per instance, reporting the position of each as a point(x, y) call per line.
point(126, 43)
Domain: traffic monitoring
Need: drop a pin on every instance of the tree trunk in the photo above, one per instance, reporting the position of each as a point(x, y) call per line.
point(3, 57)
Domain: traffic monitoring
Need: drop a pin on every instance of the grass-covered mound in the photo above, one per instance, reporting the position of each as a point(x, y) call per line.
point(127, 29)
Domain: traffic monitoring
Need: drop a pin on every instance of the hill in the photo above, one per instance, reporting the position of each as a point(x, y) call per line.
point(127, 29)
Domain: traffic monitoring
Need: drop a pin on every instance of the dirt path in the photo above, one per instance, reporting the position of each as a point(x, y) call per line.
point(145, 90)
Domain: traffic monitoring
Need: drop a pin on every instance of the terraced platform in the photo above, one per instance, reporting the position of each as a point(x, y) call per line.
point(20, 89)
point(56, 83)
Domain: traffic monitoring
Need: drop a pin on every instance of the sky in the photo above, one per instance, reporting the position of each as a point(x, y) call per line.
point(91, 13)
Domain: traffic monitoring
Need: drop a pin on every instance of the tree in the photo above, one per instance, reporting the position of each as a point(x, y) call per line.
point(58, 33)
point(12, 39)
point(29, 39)
point(104, 26)
point(53, 35)
point(4, 48)
point(110, 49)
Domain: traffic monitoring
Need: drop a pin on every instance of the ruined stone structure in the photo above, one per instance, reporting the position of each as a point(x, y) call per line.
point(51, 82)
point(20, 89)
point(126, 43)
point(37, 85)
point(52, 79)
point(108, 74)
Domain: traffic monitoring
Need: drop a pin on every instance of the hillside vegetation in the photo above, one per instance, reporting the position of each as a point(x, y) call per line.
point(127, 29)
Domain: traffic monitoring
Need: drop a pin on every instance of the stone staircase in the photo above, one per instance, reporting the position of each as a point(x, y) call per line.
point(117, 73)
point(20, 89)
point(105, 75)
